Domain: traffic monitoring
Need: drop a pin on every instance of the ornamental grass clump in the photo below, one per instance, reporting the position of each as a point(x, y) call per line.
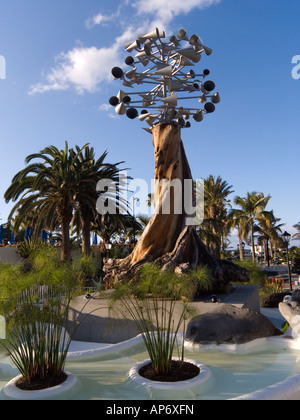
point(160, 304)
point(35, 303)
point(38, 343)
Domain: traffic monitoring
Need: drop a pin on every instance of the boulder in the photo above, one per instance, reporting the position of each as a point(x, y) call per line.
point(228, 324)
point(272, 300)
point(296, 295)
point(291, 313)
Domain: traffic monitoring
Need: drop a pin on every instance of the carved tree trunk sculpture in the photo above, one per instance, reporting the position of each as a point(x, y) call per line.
point(167, 239)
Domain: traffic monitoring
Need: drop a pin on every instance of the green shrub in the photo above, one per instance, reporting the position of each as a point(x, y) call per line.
point(120, 251)
point(202, 280)
point(86, 264)
point(29, 247)
point(257, 276)
point(296, 265)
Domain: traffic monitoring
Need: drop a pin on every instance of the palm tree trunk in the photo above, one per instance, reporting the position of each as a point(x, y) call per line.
point(86, 234)
point(65, 241)
point(271, 250)
point(216, 245)
point(206, 242)
point(252, 244)
point(240, 244)
point(267, 252)
point(216, 248)
point(64, 214)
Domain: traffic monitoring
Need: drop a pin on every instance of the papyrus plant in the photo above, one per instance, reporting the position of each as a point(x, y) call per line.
point(160, 303)
point(35, 301)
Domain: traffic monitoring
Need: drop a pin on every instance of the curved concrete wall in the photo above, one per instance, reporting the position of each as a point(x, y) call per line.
point(8, 255)
point(288, 390)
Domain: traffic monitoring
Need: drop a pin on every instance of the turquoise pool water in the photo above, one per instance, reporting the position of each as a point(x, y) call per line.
point(105, 377)
point(102, 370)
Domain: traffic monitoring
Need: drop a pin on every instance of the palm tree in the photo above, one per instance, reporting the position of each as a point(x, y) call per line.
point(270, 230)
point(108, 225)
point(251, 208)
point(88, 172)
point(143, 220)
point(214, 228)
point(47, 187)
point(296, 235)
point(237, 221)
point(52, 187)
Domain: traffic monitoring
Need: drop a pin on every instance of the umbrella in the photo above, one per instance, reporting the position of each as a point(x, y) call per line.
point(28, 233)
point(44, 236)
point(95, 240)
point(12, 239)
point(1, 234)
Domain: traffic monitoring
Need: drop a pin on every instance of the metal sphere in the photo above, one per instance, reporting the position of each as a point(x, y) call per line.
point(114, 101)
point(209, 107)
point(126, 99)
point(132, 113)
point(129, 60)
point(117, 72)
point(209, 86)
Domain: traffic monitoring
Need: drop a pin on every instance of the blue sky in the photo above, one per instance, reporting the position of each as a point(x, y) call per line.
point(59, 54)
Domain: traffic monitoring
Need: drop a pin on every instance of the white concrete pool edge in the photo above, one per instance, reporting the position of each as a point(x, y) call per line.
point(82, 350)
point(288, 389)
point(65, 389)
point(204, 379)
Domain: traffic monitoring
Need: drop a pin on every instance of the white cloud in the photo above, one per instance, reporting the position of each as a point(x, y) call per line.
point(81, 68)
point(108, 110)
point(85, 68)
point(99, 19)
point(164, 11)
point(104, 107)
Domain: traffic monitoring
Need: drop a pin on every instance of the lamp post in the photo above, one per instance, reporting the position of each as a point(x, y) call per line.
point(108, 248)
point(267, 238)
point(243, 249)
point(286, 237)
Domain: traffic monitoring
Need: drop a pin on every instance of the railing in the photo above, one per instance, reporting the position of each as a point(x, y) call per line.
point(41, 293)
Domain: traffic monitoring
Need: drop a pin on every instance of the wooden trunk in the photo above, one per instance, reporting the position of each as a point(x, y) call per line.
point(163, 230)
point(170, 239)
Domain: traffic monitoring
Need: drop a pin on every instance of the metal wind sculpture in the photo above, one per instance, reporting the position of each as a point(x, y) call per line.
point(165, 68)
point(170, 239)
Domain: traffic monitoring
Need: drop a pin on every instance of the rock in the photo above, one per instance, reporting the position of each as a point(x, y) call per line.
point(228, 324)
point(272, 300)
point(271, 273)
point(110, 261)
point(182, 269)
point(296, 296)
point(291, 313)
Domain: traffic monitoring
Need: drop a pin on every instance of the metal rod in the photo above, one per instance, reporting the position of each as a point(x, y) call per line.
point(289, 269)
